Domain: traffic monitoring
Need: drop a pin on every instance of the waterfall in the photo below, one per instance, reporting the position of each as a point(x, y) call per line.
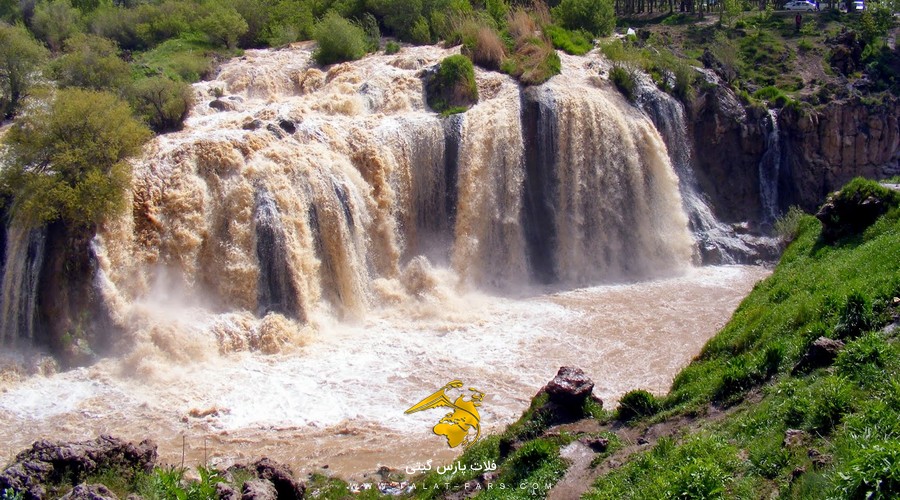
point(717, 243)
point(769, 171)
point(25, 249)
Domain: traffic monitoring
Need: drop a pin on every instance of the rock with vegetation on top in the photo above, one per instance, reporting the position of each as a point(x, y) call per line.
point(854, 208)
point(567, 394)
point(450, 86)
point(822, 352)
point(259, 489)
point(52, 462)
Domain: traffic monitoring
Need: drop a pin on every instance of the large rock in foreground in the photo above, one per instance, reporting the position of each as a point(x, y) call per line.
point(567, 395)
point(48, 462)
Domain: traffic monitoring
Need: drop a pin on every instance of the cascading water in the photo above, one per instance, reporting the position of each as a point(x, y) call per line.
point(769, 171)
point(24, 259)
point(717, 242)
point(330, 220)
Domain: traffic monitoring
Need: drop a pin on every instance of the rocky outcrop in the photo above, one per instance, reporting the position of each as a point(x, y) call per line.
point(270, 476)
point(567, 395)
point(822, 352)
point(48, 462)
point(825, 148)
point(729, 142)
point(853, 209)
point(258, 490)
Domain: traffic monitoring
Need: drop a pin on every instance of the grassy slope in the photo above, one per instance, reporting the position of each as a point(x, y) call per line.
point(850, 413)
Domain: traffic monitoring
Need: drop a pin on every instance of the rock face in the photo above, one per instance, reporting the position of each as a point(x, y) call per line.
point(826, 148)
point(845, 214)
point(281, 477)
point(258, 490)
point(53, 462)
point(729, 142)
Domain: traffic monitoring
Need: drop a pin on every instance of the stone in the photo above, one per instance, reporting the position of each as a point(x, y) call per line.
point(48, 461)
point(598, 444)
point(226, 492)
point(281, 477)
point(90, 492)
point(793, 438)
point(843, 215)
point(258, 489)
point(821, 352)
point(220, 105)
point(570, 386)
point(252, 125)
point(287, 125)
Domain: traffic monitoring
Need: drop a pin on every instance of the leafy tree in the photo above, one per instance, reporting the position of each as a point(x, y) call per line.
point(67, 159)
point(118, 24)
point(91, 62)
point(10, 11)
point(290, 20)
point(339, 40)
point(222, 24)
point(595, 16)
point(162, 102)
point(257, 14)
point(20, 59)
point(400, 16)
point(55, 21)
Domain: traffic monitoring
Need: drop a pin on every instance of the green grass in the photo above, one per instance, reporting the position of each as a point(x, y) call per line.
point(849, 414)
point(572, 42)
point(189, 59)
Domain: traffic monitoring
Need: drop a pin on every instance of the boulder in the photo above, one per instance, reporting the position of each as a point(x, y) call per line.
point(259, 489)
point(90, 492)
point(821, 352)
point(54, 462)
point(567, 394)
point(281, 477)
point(845, 214)
point(226, 492)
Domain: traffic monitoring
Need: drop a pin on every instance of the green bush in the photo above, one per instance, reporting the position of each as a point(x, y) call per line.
point(788, 225)
point(222, 24)
point(867, 360)
point(572, 42)
point(594, 16)
point(637, 404)
point(162, 102)
point(20, 62)
point(391, 47)
point(338, 40)
point(54, 22)
point(856, 317)
point(624, 79)
point(453, 86)
point(82, 140)
point(91, 62)
point(185, 59)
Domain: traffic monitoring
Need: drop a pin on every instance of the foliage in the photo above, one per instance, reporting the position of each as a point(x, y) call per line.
point(636, 404)
point(185, 59)
point(481, 43)
point(162, 102)
point(572, 42)
point(170, 483)
point(338, 40)
point(401, 17)
point(453, 86)
point(67, 159)
point(775, 96)
point(594, 16)
point(624, 78)
point(91, 62)
point(222, 24)
point(20, 61)
point(788, 225)
point(391, 47)
point(55, 21)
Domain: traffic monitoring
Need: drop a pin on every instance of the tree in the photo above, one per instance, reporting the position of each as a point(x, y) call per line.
point(163, 103)
point(20, 60)
point(91, 62)
point(54, 22)
point(339, 40)
point(595, 16)
point(223, 25)
point(67, 159)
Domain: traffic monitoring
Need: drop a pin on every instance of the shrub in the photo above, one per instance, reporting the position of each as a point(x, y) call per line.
point(289, 22)
point(520, 24)
point(636, 404)
point(453, 86)
point(391, 47)
point(698, 479)
point(163, 103)
point(400, 16)
point(485, 49)
point(91, 62)
point(339, 40)
point(420, 32)
point(623, 76)
point(20, 60)
point(594, 16)
point(373, 34)
point(222, 25)
point(572, 42)
point(54, 22)
point(866, 359)
point(82, 139)
point(118, 24)
point(787, 226)
point(830, 400)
